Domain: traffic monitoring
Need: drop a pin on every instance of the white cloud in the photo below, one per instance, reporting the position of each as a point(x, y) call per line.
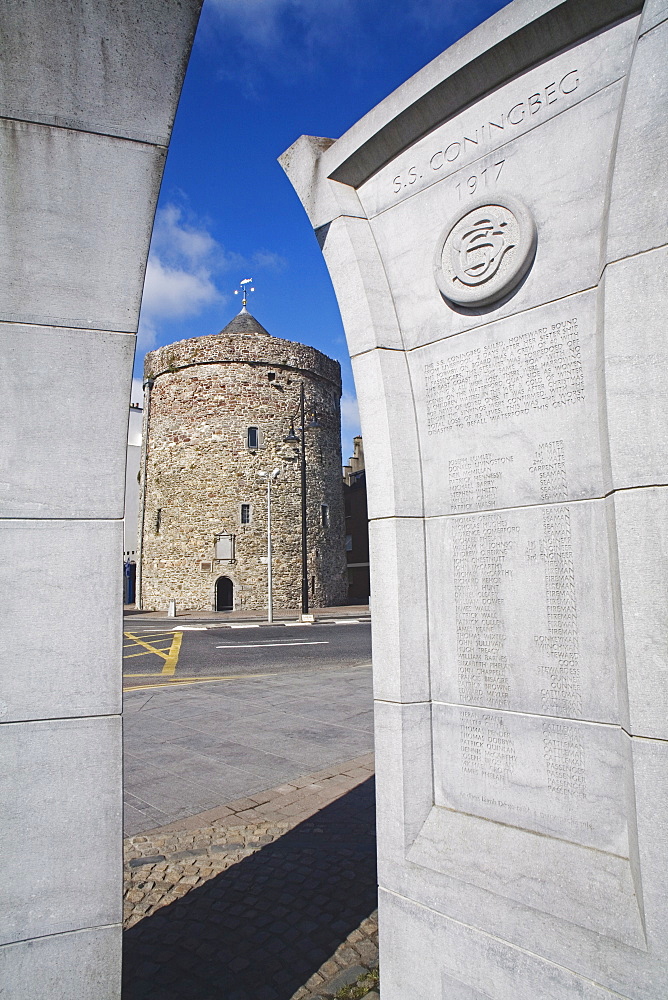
point(137, 391)
point(184, 266)
point(147, 334)
point(173, 292)
point(180, 272)
point(257, 19)
point(175, 235)
point(270, 261)
point(350, 421)
point(297, 32)
point(180, 240)
point(290, 39)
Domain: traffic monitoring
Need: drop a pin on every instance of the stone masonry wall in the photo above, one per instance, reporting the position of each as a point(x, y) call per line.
point(200, 470)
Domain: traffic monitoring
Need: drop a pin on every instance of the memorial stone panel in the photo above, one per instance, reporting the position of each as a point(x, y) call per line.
point(59, 268)
point(543, 93)
point(554, 776)
point(509, 413)
point(522, 612)
point(545, 171)
point(513, 788)
point(88, 93)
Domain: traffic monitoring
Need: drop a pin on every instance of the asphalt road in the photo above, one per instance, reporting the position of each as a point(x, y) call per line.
point(213, 714)
point(165, 653)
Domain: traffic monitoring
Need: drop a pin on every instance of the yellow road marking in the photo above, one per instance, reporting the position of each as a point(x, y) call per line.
point(132, 645)
point(183, 681)
point(150, 648)
point(172, 658)
point(204, 677)
point(209, 679)
point(150, 631)
point(147, 635)
point(170, 654)
point(146, 652)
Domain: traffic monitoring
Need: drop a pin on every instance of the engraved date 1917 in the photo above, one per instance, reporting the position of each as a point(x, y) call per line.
point(486, 177)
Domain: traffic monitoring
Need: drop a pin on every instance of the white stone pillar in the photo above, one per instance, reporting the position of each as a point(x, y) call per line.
point(89, 92)
point(496, 235)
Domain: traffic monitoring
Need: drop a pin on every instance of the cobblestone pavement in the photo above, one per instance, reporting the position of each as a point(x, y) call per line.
point(271, 897)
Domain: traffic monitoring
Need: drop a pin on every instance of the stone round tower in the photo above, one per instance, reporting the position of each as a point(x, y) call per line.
point(216, 413)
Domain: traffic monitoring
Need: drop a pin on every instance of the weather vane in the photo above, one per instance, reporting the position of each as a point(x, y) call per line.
point(244, 290)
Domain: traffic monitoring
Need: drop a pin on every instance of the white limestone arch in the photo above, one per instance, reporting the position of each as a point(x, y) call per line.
point(88, 95)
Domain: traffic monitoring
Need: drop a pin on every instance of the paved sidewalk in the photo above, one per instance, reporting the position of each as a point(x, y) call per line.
point(270, 897)
point(354, 611)
point(193, 746)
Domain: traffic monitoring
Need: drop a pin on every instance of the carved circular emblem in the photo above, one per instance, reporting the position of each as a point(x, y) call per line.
point(484, 253)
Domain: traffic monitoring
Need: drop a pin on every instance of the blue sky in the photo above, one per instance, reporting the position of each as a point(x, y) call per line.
point(262, 73)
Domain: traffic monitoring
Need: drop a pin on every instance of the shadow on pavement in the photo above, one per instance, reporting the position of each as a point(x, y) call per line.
point(260, 929)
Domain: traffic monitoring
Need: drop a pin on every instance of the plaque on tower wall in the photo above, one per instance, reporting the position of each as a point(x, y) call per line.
point(513, 391)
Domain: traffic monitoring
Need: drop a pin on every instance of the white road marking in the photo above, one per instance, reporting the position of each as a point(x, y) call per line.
point(255, 645)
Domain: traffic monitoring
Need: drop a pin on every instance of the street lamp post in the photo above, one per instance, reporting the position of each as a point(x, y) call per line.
point(148, 386)
point(293, 439)
point(271, 479)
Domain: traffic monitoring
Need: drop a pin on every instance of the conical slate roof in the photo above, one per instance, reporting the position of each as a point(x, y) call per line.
point(243, 322)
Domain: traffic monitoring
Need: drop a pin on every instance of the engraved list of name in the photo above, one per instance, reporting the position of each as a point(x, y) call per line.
point(495, 565)
point(475, 480)
point(538, 370)
point(559, 778)
point(488, 750)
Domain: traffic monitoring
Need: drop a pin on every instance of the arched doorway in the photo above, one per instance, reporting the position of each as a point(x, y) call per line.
point(224, 594)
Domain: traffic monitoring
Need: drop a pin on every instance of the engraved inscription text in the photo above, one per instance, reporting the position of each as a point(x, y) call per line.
point(538, 370)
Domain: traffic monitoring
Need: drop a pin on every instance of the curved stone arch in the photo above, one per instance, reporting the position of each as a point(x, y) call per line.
point(475, 874)
point(89, 94)
point(78, 135)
